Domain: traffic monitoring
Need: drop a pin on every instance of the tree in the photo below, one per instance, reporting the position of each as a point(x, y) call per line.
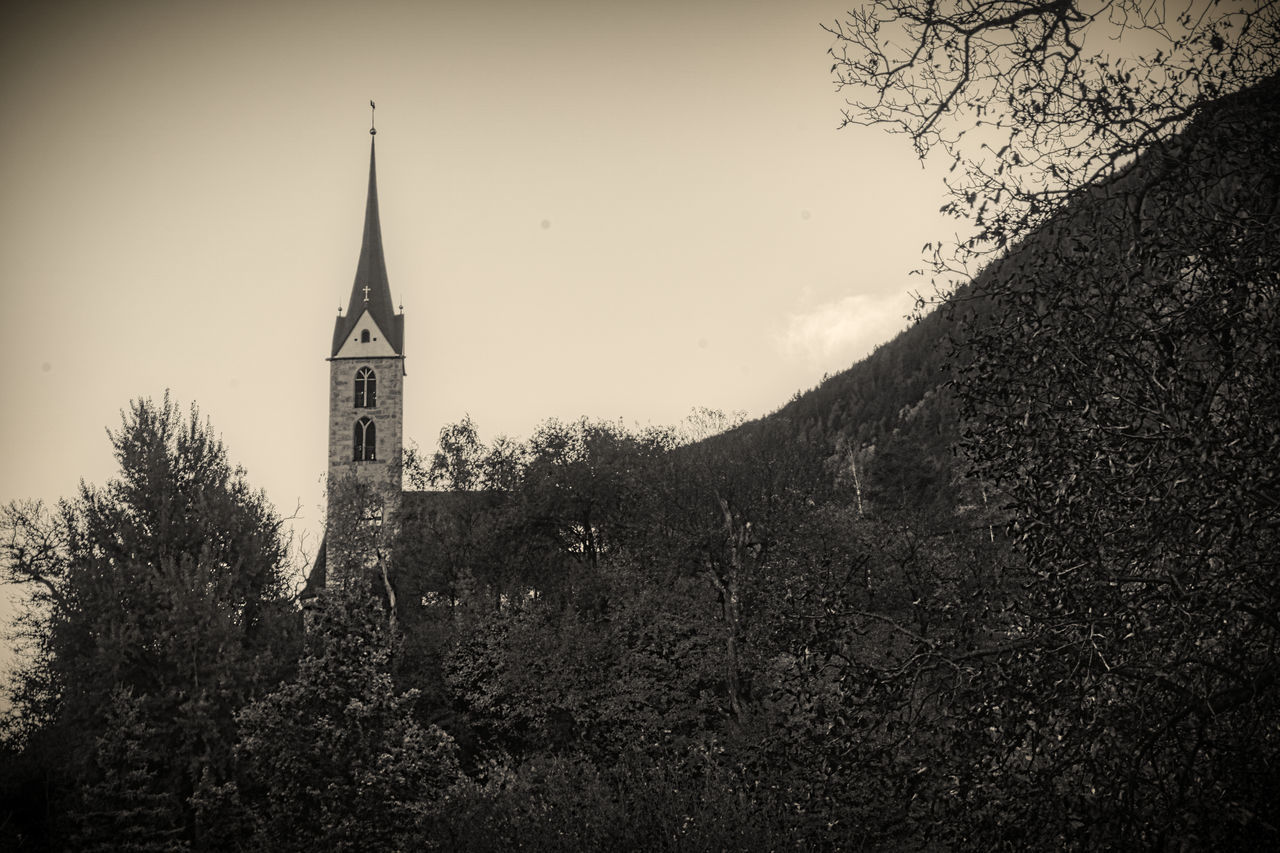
point(1032, 101)
point(583, 485)
point(1117, 376)
point(127, 806)
point(334, 759)
point(455, 540)
point(166, 586)
point(361, 527)
point(519, 519)
point(570, 803)
point(1127, 402)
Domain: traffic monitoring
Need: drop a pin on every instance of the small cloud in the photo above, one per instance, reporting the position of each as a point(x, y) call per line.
point(836, 334)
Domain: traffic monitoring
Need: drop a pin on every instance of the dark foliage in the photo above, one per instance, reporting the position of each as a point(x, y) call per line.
point(334, 759)
point(158, 609)
point(1124, 396)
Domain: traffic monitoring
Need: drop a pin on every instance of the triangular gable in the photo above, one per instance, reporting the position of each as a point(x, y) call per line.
point(353, 344)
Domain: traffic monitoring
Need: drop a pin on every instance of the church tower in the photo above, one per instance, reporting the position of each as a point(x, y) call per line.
point(366, 376)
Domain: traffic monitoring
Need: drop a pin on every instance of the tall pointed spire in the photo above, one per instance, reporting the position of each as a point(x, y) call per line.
point(371, 290)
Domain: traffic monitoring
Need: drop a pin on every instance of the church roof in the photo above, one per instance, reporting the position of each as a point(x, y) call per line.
point(371, 291)
point(318, 575)
point(415, 504)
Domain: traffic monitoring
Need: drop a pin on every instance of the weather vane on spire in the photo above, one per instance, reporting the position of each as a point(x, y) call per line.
point(373, 130)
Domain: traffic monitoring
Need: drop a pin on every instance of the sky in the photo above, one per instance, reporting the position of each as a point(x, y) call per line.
point(616, 210)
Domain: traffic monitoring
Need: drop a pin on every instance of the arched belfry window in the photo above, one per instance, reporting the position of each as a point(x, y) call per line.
point(366, 388)
point(366, 441)
point(364, 336)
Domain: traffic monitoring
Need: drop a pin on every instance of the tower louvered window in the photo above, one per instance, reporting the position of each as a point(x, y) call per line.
point(366, 388)
point(366, 441)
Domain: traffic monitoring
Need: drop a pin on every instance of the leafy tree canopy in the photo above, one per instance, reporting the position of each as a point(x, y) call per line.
point(166, 589)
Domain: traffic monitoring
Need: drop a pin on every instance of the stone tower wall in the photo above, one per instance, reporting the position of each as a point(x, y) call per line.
point(388, 415)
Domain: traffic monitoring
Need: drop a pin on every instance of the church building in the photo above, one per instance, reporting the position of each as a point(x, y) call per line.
point(366, 387)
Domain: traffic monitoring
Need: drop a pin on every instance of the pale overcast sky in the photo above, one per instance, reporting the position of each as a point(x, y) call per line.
point(621, 210)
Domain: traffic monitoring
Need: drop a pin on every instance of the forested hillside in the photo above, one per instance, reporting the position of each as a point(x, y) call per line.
point(1006, 584)
point(868, 401)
